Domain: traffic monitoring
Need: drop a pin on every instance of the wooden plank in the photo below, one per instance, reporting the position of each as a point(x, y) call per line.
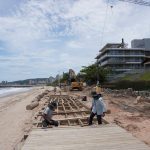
point(79, 120)
point(70, 119)
point(65, 111)
point(77, 106)
point(83, 104)
point(70, 112)
point(110, 137)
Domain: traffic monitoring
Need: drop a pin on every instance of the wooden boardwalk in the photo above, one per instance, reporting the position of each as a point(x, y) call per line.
point(106, 137)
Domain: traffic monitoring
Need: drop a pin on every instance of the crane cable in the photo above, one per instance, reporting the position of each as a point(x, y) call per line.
point(138, 2)
point(104, 25)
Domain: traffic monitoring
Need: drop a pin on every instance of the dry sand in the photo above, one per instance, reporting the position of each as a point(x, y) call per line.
point(15, 120)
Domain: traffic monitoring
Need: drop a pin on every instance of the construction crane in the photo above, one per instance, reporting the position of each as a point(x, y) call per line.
point(139, 2)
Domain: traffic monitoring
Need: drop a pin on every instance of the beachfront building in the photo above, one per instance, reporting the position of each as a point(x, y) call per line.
point(141, 43)
point(119, 58)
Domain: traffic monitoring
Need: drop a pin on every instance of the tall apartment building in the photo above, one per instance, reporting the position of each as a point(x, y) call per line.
point(141, 43)
point(121, 59)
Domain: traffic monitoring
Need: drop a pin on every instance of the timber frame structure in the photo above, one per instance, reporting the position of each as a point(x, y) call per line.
point(70, 111)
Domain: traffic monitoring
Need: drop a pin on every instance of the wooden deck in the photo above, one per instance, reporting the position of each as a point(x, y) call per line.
point(107, 137)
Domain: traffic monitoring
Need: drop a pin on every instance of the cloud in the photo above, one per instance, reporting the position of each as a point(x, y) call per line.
point(44, 37)
point(74, 44)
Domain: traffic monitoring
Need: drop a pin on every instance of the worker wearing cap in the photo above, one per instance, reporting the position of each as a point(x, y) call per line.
point(98, 108)
point(47, 115)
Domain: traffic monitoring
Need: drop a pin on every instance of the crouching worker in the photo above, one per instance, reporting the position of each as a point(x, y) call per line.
point(98, 108)
point(47, 115)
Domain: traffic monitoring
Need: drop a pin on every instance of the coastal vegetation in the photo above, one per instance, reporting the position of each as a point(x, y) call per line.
point(137, 81)
point(145, 76)
point(93, 73)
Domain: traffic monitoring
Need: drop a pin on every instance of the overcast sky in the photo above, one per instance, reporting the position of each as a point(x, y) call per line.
point(40, 38)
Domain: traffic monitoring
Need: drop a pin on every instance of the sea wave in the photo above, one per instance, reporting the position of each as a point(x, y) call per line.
point(8, 91)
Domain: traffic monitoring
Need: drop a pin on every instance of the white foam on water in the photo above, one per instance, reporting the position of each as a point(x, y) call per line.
point(8, 91)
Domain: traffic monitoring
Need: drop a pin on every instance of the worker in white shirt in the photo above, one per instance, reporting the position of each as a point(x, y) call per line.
point(98, 108)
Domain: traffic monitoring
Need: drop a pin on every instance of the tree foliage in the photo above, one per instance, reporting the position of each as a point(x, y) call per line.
point(65, 77)
point(93, 73)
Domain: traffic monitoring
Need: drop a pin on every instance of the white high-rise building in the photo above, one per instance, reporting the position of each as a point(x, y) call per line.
point(141, 43)
point(121, 59)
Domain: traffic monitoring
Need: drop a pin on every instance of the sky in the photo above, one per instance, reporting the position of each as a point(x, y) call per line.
point(43, 38)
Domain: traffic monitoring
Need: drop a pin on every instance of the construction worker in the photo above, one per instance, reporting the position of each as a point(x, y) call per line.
point(98, 89)
point(98, 108)
point(47, 115)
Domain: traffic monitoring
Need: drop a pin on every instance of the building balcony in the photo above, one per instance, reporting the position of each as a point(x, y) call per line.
point(121, 56)
point(113, 62)
point(126, 51)
point(133, 62)
point(123, 69)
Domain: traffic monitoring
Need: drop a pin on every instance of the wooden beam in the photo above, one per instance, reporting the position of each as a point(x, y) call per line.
point(70, 112)
point(78, 106)
point(83, 104)
point(72, 118)
point(65, 111)
point(79, 120)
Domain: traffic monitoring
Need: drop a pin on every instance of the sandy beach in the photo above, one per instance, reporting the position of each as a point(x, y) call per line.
point(15, 119)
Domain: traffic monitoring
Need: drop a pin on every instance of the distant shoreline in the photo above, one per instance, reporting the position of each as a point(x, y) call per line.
point(16, 86)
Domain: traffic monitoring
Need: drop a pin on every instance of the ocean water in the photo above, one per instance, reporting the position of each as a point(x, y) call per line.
point(9, 91)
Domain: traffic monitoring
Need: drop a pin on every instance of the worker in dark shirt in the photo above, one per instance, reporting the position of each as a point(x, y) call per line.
point(47, 115)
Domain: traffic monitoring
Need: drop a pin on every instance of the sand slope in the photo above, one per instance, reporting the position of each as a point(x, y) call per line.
point(14, 118)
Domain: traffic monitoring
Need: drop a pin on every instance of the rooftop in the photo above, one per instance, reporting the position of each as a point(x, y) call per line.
point(111, 45)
